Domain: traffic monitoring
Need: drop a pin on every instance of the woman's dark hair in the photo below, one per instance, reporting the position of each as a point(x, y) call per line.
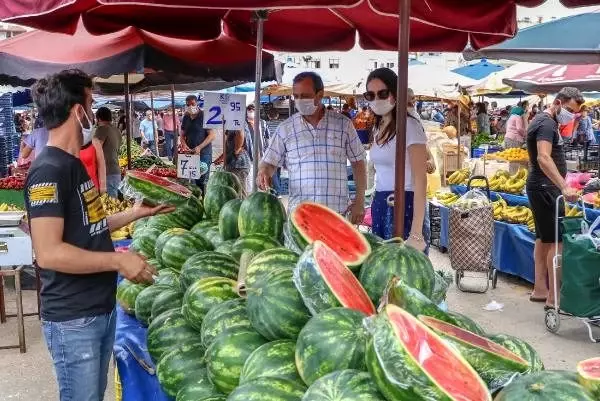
point(481, 109)
point(390, 80)
point(104, 114)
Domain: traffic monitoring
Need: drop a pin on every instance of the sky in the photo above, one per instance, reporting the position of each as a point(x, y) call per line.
point(551, 8)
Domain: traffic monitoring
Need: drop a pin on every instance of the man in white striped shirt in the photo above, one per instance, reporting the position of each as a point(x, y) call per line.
point(315, 145)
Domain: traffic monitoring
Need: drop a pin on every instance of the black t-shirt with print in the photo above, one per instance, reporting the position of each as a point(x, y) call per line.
point(544, 128)
point(59, 186)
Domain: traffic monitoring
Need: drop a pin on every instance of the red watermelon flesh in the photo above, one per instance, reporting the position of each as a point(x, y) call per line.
point(434, 356)
point(342, 282)
point(588, 372)
point(316, 222)
point(162, 182)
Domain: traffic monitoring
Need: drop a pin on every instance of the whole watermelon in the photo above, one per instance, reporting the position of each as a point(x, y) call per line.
point(214, 236)
point(204, 294)
point(274, 359)
point(207, 264)
point(197, 387)
point(332, 340)
point(143, 302)
point(188, 214)
point(179, 363)
point(168, 299)
point(254, 243)
point(544, 385)
point(228, 219)
point(396, 260)
point(374, 240)
point(344, 385)
point(162, 222)
point(521, 348)
point(267, 261)
point(146, 239)
point(202, 227)
point(225, 247)
point(167, 331)
point(216, 197)
point(179, 248)
point(138, 224)
point(223, 316)
point(262, 213)
point(154, 263)
point(127, 292)
point(225, 178)
point(167, 277)
point(278, 389)
point(162, 240)
point(226, 356)
point(275, 306)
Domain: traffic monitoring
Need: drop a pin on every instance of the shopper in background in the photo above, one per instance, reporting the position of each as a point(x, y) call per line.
point(516, 135)
point(109, 138)
point(33, 144)
point(171, 130)
point(545, 183)
point(265, 139)
point(483, 119)
point(148, 129)
point(237, 156)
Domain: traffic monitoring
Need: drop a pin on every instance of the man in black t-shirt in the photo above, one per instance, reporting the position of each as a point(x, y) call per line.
point(546, 182)
point(71, 239)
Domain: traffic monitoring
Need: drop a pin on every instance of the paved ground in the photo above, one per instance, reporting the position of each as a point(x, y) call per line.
point(29, 377)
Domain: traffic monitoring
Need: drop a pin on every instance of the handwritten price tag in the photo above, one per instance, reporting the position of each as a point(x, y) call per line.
point(188, 166)
point(229, 107)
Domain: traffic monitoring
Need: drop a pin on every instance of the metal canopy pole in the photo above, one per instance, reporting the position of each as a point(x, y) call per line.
point(175, 130)
point(256, 143)
point(154, 133)
point(401, 102)
point(128, 120)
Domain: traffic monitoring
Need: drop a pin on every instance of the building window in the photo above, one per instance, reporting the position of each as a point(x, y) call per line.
point(312, 62)
point(334, 63)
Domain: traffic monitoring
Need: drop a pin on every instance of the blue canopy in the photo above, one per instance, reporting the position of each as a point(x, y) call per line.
point(570, 40)
point(478, 70)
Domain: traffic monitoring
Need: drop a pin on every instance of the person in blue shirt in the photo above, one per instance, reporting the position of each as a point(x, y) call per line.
point(438, 116)
point(147, 129)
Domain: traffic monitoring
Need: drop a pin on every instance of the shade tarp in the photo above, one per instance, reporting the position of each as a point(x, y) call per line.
point(551, 78)
point(478, 70)
point(330, 90)
point(493, 84)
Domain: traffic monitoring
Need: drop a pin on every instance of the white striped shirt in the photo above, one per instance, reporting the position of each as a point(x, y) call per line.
point(316, 158)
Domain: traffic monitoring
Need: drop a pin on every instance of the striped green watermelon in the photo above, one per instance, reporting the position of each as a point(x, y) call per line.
point(228, 219)
point(225, 247)
point(177, 364)
point(332, 340)
point(267, 261)
point(344, 385)
point(274, 359)
point(546, 385)
point(179, 248)
point(162, 240)
point(203, 295)
point(216, 197)
point(154, 263)
point(495, 364)
point(324, 282)
point(521, 348)
point(167, 277)
point(197, 387)
point(188, 214)
point(146, 239)
point(288, 240)
point(207, 264)
point(275, 307)
point(415, 303)
point(138, 224)
point(224, 316)
point(225, 178)
point(214, 236)
point(168, 299)
point(162, 222)
point(202, 227)
point(310, 222)
point(167, 331)
point(408, 361)
point(156, 189)
point(144, 301)
point(226, 356)
point(127, 292)
point(268, 389)
point(262, 213)
point(255, 243)
point(396, 260)
point(588, 375)
point(374, 240)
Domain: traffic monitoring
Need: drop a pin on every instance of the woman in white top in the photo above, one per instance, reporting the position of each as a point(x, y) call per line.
point(381, 94)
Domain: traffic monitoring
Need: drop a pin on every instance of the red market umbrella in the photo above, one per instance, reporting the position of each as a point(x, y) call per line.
point(551, 78)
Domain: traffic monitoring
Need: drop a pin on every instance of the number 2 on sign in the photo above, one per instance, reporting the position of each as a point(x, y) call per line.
point(214, 116)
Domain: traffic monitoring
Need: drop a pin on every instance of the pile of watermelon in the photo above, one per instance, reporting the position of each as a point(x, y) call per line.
point(334, 316)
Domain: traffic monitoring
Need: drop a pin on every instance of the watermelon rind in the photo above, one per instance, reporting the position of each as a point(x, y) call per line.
point(324, 282)
point(197, 387)
point(127, 293)
point(214, 236)
point(177, 364)
point(225, 247)
point(274, 359)
point(521, 348)
point(267, 261)
point(162, 240)
point(144, 301)
point(157, 190)
point(344, 385)
point(330, 341)
point(168, 299)
point(545, 385)
point(275, 306)
point(204, 294)
point(400, 375)
point(202, 227)
point(254, 243)
point(226, 178)
point(162, 222)
point(207, 264)
point(216, 197)
point(268, 388)
point(224, 316)
point(146, 239)
point(167, 277)
point(228, 219)
point(262, 213)
point(188, 214)
point(179, 248)
point(588, 375)
point(167, 331)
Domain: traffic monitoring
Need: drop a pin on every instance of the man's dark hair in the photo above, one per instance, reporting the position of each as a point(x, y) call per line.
point(55, 95)
point(570, 93)
point(104, 114)
point(191, 97)
point(313, 76)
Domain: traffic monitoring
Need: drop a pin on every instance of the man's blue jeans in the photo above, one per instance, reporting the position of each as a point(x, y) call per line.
point(169, 144)
point(81, 351)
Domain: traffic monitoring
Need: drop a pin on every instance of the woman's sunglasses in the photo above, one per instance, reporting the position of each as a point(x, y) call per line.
point(381, 94)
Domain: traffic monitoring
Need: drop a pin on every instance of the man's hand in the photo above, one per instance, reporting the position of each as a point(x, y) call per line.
point(570, 194)
point(197, 150)
point(140, 210)
point(263, 179)
point(357, 212)
point(134, 267)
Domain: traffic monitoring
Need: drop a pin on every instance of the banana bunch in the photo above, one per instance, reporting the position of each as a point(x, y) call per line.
point(511, 155)
point(6, 207)
point(498, 207)
point(478, 183)
point(459, 176)
point(446, 198)
point(113, 206)
point(514, 214)
point(516, 183)
point(120, 234)
point(572, 211)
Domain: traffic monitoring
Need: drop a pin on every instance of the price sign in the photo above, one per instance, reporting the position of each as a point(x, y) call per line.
point(228, 107)
point(188, 166)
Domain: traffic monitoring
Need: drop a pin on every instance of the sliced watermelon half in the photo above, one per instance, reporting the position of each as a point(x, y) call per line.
point(157, 189)
point(588, 373)
point(325, 282)
point(407, 360)
point(310, 222)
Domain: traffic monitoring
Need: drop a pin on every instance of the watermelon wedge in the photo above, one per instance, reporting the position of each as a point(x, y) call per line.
point(588, 375)
point(495, 364)
point(155, 189)
point(324, 282)
point(310, 222)
point(408, 361)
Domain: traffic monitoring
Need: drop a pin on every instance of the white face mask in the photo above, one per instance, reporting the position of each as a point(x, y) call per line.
point(193, 109)
point(86, 133)
point(251, 115)
point(564, 116)
point(381, 106)
point(306, 107)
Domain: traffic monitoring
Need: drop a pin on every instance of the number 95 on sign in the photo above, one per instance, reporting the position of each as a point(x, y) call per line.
point(227, 107)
